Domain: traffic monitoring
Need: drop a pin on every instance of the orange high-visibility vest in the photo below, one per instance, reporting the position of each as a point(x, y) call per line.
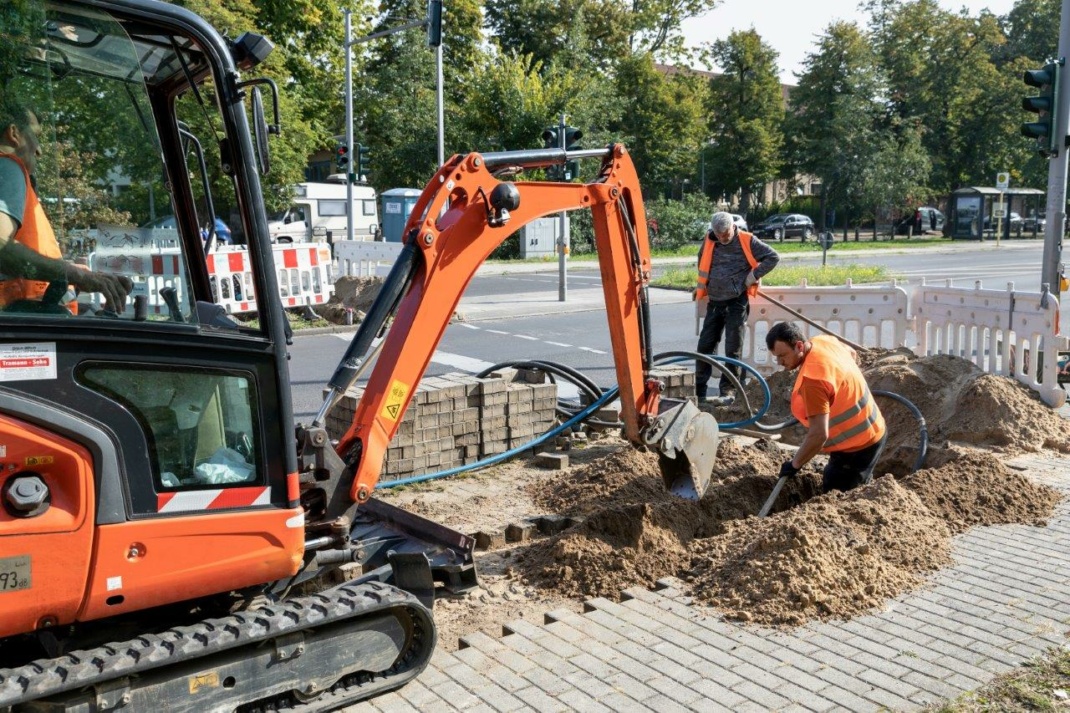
point(706, 261)
point(855, 422)
point(36, 233)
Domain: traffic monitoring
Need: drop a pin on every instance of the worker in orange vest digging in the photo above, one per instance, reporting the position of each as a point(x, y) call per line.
point(730, 264)
point(832, 400)
point(30, 257)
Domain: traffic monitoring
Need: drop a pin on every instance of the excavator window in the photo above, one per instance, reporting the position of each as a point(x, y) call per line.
point(199, 424)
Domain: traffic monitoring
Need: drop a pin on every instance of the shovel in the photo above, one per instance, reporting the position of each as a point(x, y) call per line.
point(772, 496)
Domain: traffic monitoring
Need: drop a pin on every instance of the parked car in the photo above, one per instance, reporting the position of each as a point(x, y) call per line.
point(932, 220)
point(1037, 222)
point(786, 225)
point(222, 230)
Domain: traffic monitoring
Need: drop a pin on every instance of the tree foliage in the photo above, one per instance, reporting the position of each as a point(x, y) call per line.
point(746, 110)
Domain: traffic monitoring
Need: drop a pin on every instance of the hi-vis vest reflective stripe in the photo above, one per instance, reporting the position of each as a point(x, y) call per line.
point(855, 422)
point(36, 234)
point(707, 260)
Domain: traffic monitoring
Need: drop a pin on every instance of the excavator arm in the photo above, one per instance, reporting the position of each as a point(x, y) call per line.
point(464, 213)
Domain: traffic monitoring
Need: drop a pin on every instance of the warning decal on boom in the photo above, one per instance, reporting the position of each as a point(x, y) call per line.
point(395, 400)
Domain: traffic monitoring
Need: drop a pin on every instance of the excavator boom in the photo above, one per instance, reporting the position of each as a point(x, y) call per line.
point(463, 214)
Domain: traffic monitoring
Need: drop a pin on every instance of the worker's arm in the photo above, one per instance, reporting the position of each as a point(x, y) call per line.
point(17, 260)
point(815, 438)
point(767, 258)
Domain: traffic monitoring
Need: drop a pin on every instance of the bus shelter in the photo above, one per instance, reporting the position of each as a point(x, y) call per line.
point(971, 215)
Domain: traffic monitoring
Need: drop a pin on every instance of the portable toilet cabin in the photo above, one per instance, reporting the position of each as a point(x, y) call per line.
point(397, 205)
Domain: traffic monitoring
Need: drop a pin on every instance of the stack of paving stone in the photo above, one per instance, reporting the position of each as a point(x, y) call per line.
point(457, 419)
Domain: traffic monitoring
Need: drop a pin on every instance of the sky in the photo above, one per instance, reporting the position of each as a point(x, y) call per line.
point(791, 26)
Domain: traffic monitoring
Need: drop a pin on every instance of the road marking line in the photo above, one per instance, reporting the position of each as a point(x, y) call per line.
point(593, 351)
point(468, 326)
point(560, 344)
point(524, 336)
point(498, 331)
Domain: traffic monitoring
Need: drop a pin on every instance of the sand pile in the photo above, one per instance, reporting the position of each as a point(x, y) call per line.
point(834, 557)
point(355, 293)
point(972, 488)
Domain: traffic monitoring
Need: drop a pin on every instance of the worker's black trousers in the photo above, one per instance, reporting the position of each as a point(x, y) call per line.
point(849, 470)
point(727, 317)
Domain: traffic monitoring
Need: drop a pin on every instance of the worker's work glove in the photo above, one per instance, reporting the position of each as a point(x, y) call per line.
point(750, 279)
point(787, 470)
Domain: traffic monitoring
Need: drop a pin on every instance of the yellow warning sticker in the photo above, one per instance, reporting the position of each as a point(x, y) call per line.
point(395, 400)
point(39, 460)
point(203, 680)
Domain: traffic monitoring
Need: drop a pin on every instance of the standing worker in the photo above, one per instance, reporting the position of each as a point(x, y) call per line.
point(730, 264)
point(832, 399)
point(30, 257)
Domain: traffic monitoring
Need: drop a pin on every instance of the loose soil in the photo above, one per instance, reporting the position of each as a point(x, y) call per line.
point(818, 555)
point(351, 294)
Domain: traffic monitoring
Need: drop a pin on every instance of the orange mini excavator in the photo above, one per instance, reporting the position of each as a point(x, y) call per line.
point(166, 543)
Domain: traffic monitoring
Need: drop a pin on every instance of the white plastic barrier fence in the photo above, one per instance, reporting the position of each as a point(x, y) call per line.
point(1001, 331)
point(305, 274)
point(357, 258)
point(871, 315)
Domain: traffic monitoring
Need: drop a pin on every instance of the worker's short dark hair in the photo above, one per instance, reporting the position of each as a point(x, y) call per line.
point(786, 332)
point(15, 110)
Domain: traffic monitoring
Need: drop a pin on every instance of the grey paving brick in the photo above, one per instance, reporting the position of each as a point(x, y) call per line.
point(848, 700)
point(498, 672)
point(712, 690)
point(392, 703)
point(923, 667)
point(630, 687)
point(455, 694)
point(753, 675)
point(760, 695)
point(661, 664)
point(482, 708)
point(684, 695)
point(540, 701)
point(940, 688)
point(592, 686)
point(664, 704)
point(543, 637)
point(893, 685)
point(888, 699)
point(421, 697)
point(583, 703)
point(550, 683)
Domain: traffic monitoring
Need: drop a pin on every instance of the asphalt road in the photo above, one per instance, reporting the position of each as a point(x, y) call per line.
point(580, 339)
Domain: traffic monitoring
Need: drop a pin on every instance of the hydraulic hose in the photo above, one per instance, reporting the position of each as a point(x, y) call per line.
point(713, 360)
point(923, 438)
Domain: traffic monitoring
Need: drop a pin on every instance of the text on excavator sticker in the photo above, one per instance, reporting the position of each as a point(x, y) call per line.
point(27, 362)
point(14, 573)
point(203, 680)
point(39, 460)
point(395, 400)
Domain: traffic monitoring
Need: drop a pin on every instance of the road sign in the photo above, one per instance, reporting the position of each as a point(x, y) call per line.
point(999, 211)
point(1003, 180)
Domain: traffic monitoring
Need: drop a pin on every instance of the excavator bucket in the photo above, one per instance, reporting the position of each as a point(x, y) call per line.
point(686, 441)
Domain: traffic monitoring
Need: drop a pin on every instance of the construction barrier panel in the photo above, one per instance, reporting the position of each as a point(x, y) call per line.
point(1003, 332)
point(305, 274)
point(357, 258)
point(871, 315)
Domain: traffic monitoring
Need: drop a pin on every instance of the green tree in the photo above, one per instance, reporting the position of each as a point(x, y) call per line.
point(746, 111)
point(835, 112)
point(663, 121)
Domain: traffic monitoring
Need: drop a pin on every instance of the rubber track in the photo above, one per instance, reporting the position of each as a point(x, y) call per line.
point(47, 677)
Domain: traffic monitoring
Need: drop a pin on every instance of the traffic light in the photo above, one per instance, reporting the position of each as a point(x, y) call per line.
point(364, 156)
point(434, 23)
point(549, 138)
point(572, 137)
point(1044, 106)
point(341, 158)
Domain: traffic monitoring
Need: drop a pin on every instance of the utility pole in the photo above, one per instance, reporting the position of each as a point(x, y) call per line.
point(1056, 210)
point(562, 257)
point(349, 123)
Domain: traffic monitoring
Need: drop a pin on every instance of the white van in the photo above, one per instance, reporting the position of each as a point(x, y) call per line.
point(319, 213)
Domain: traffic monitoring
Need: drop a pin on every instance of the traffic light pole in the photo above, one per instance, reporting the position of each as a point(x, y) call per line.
point(562, 253)
point(1056, 209)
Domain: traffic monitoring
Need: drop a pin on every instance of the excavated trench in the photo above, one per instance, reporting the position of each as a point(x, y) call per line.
point(816, 556)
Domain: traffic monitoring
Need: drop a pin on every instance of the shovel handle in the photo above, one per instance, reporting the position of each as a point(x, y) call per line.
point(772, 496)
